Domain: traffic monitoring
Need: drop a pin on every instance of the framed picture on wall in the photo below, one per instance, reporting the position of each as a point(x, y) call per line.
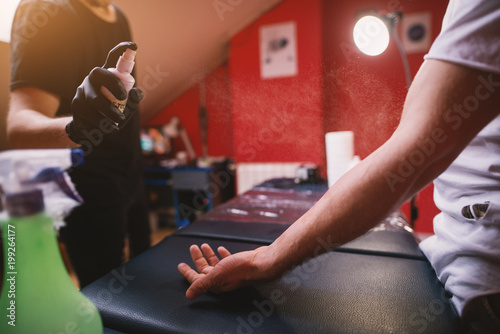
point(278, 50)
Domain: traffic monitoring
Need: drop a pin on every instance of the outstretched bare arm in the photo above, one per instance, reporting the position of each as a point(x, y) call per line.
point(447, 105)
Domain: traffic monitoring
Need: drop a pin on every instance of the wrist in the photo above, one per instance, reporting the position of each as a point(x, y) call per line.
point(64, 139)
point(268, 262)
point(72, 133)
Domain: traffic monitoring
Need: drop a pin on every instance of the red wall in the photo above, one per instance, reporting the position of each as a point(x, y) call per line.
point(362, 93)
point(279, 119)
point(285, 119)
point(218, 105)
point(365, 94)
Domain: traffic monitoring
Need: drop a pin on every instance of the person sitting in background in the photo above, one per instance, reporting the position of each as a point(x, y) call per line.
point(49, 61)
point(450, 133)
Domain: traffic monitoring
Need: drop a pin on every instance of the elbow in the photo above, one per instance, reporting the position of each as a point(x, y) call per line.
point(412, 163)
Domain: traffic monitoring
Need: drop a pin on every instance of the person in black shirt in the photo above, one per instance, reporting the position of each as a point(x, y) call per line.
point(54, 46)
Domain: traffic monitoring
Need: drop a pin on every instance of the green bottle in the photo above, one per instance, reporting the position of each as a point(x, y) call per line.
point(38, 295)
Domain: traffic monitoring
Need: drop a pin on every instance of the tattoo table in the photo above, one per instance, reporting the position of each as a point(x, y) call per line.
point(378, 283)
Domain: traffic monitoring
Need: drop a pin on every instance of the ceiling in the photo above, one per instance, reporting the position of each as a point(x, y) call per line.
point(181, 41)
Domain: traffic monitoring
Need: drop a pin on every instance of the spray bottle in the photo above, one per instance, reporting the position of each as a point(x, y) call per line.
point(38, 296)
point(123, 70)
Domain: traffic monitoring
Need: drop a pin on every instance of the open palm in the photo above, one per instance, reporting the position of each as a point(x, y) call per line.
point(214, 275)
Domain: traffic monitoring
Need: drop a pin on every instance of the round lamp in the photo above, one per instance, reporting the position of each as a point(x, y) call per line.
point(371, 35)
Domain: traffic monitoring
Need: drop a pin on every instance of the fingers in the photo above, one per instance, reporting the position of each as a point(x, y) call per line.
point(200, 262)
point(192, 294)
point(223, 252)
point(210, 256)
point(203, 259)
point(200, 283)
point(135, 96)
point(202, 279)
point(186, 271)
point(198, 288)
point(83, 116)
point(101, 77)
point(117, 51)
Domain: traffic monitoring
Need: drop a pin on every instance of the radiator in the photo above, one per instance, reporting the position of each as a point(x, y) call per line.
point(249, 175)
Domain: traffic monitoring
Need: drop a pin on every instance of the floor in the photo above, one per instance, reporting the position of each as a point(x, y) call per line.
point(158, 235)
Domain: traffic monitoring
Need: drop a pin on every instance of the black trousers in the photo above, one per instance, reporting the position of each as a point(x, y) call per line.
point(95, 236)
point(482, 315)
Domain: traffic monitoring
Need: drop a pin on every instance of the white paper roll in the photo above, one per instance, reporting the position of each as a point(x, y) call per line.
point(339, 154)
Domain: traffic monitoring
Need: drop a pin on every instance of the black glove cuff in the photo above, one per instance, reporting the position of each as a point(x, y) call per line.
point(73, 133)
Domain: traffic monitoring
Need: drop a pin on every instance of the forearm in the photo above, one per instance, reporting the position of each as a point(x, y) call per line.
point(424, 145)
point(427, 141)
point(31, 129)
point(31, 121)
point(356, 203)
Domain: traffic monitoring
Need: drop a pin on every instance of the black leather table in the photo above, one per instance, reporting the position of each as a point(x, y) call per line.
point(338, 292)
point(381, 240)
point(379, 283)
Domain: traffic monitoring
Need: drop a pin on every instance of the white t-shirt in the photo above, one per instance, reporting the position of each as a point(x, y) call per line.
point(465, 252)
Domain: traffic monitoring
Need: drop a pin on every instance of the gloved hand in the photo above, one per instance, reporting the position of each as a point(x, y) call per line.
point(92, 110)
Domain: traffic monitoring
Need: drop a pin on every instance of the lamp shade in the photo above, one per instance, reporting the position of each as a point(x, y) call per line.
point(371, 35)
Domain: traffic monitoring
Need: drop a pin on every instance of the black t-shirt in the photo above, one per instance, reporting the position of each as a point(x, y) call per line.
point(54, 45)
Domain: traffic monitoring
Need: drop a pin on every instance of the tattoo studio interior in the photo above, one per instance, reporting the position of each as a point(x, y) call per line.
point(249, 166)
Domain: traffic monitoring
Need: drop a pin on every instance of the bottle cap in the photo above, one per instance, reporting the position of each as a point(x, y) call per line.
point(129, 54)
point(126, 61)
point(24, 204)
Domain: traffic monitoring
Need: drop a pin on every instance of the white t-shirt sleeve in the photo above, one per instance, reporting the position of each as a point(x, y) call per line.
point(470, 35)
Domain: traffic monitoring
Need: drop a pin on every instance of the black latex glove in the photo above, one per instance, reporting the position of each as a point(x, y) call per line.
point(92, 110)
